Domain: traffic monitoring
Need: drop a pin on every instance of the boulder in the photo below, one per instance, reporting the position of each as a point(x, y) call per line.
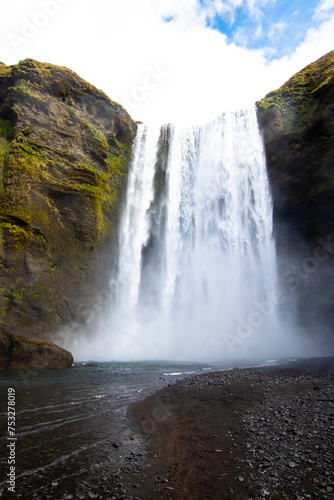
point(20, 353)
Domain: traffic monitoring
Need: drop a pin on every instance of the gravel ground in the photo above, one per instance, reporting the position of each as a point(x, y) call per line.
point(241, 435)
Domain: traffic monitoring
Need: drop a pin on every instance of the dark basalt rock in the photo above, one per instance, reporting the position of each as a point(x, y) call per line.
point(297, 124)
point(20, 353)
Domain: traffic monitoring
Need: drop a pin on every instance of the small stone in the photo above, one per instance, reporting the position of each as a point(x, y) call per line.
point(241, 478)
point(219, 451)
point(292, 464)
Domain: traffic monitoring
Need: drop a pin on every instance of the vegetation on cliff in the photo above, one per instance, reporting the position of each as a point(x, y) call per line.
point(297, 122)
point(64, 155)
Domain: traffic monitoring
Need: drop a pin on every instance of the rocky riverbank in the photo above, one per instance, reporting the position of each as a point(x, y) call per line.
point(242, 434)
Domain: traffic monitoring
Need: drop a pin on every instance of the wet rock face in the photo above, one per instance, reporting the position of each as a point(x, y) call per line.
point(64, 155)
point(297, 124)
point(20, 353)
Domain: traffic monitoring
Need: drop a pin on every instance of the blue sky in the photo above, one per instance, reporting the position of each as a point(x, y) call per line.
point(172, 60)
point(277, 26)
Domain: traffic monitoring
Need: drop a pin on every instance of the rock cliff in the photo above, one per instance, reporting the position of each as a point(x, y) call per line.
point(64, 154)
point(297, 123)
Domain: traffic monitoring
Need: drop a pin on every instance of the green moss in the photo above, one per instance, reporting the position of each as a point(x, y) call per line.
point(42, 217)
point(26, 89)
point(17, 289)
point(10, 296)
point(11, 209)
point(59, 78)
point(7, 129)
point(24, 340)
point(98, 136)
point(295, 106)
point(89, 168)
point(43, 293)
point(106, 189)
point(6, 134)
point(16, 237)
point(26, 149)
point(4, 303)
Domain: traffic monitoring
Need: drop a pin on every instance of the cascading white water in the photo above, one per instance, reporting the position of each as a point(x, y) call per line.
point(196, 260)
point(135, 224)
point(196, 277)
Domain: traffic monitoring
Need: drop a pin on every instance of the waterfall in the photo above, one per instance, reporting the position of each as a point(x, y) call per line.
point(196, 274)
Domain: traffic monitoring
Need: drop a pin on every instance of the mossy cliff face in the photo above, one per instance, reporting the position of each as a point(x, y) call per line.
point(297, 123)
point(64, 155)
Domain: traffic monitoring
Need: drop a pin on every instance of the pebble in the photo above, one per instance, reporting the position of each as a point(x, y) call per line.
point(265, 493)
point(300, 420)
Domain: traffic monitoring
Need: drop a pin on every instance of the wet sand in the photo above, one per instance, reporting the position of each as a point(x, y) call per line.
point(241, 434)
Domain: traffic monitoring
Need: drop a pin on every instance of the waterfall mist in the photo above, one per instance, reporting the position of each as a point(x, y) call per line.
point(196, 277)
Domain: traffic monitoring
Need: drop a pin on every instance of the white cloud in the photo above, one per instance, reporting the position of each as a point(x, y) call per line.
point(254, 7)
point(240, 37)
point(258, 32)
point(116, 45)
point(228, 8)
point(324, 9)
point(317, 42)
point(277, 30)
point(208, 9)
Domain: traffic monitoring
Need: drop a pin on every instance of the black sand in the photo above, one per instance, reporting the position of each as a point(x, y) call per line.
point(241, 434)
